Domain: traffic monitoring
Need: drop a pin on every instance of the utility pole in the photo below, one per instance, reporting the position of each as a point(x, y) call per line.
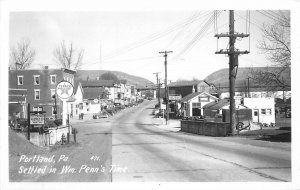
point(233, 66)
point(166, 84)
point(248, 88)
point(100, 57)
point(158, 86)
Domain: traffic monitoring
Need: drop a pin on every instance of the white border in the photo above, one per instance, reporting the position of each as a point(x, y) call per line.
point(8, 6)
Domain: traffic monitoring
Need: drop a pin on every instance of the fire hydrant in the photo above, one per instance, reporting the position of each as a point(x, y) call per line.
point(63, 139)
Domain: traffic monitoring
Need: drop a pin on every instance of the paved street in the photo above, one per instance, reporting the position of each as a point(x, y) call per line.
point(134, 146)
point(153, 154)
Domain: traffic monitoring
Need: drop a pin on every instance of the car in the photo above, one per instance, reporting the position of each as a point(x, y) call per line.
point(160, 113)
point(155, 111)
point(100, 115)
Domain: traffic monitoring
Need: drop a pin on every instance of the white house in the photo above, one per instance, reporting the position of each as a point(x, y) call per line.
point(263, 109)
point(192, 104)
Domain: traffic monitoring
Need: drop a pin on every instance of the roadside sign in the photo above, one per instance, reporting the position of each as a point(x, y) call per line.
point(237, 97)
point(163, 106)
point(37, 120)
point(64, 90)
point(175, 97)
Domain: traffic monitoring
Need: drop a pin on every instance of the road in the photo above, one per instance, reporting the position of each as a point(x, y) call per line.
point(153, 154)
point(130, 146)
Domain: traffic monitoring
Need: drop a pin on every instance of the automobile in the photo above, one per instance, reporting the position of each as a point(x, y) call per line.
point(19, 124)
point(100, 115)
point(160, 113)
point(155, 111)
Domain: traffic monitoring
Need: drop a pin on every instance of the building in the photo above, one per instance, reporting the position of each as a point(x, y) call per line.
point(192, 104)
point(94, 100)
point(114, 89)
point(218, 111)
point(263, 109)
point(17, 103)
point(185, 88)
point(40, 86)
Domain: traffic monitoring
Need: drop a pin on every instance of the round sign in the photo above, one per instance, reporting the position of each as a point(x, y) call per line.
point(64, 90)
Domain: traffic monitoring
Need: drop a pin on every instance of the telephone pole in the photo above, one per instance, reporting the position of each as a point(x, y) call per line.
point(233, 66)
point(166, 84)
point(158, 86)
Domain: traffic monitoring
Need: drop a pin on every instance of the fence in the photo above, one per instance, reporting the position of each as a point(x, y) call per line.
point(216, 129)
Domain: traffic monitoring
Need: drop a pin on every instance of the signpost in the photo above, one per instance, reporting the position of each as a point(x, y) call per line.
point(64, 91)
point(37, 120)
point(163, 106)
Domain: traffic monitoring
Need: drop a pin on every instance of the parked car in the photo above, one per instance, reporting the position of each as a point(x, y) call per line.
point(99, 115)
point(155, 111)
point(19, 124)
point(160, 113)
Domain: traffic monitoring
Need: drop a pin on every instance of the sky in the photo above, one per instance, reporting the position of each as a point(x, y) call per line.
point(130, 41)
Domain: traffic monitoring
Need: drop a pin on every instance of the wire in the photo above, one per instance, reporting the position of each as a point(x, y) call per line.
point(194, 40)
point(151, 37)
point(180, 32)
point(249, 21)
point(249, 29)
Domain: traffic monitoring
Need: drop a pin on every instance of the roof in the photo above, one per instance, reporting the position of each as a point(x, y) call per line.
point(97, 83)
point(193, 95)
point(92, 93)
point(216, 105)
point(184, 83)
point(190, 96)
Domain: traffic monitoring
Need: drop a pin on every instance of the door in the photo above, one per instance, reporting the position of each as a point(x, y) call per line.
point(255, 115)
point(196, 112)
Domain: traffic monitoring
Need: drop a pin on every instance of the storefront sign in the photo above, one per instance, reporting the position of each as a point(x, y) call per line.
point(37, 120)
point(175, 97)
point(64, 90)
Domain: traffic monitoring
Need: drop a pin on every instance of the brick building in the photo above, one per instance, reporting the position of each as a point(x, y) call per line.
point(40, 88)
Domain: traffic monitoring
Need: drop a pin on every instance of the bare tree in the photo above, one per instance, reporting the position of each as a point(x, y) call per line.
point(68, 57)
point(22, 55)
point(277, 47)
point(276, 41)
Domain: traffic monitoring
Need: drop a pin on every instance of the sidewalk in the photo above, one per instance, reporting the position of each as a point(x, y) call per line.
point(173, 125)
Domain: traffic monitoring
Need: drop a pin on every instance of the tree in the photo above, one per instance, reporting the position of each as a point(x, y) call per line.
point(68, 57)
point(109, 76)
point(276, 41)
point(22, 55)
point(277, 47)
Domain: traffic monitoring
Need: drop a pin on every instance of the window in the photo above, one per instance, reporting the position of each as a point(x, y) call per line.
point(20, 80)
point(37, 108)
point(263, 111)
point(53, 110)
point(37, 94)
point(204, 99)
point(196, 105)
point(36, 79)
point(53, 79)
point(268, 112)
point(52, 93)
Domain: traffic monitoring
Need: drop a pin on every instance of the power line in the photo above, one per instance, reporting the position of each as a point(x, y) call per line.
point(193, 41)
point(183, 29)
point(152, 37)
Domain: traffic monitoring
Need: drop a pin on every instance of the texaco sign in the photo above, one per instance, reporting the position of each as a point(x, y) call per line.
point(64, 90)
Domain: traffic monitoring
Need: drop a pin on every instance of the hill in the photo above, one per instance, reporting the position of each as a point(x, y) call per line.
point(93, 74)
point(221, 77)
